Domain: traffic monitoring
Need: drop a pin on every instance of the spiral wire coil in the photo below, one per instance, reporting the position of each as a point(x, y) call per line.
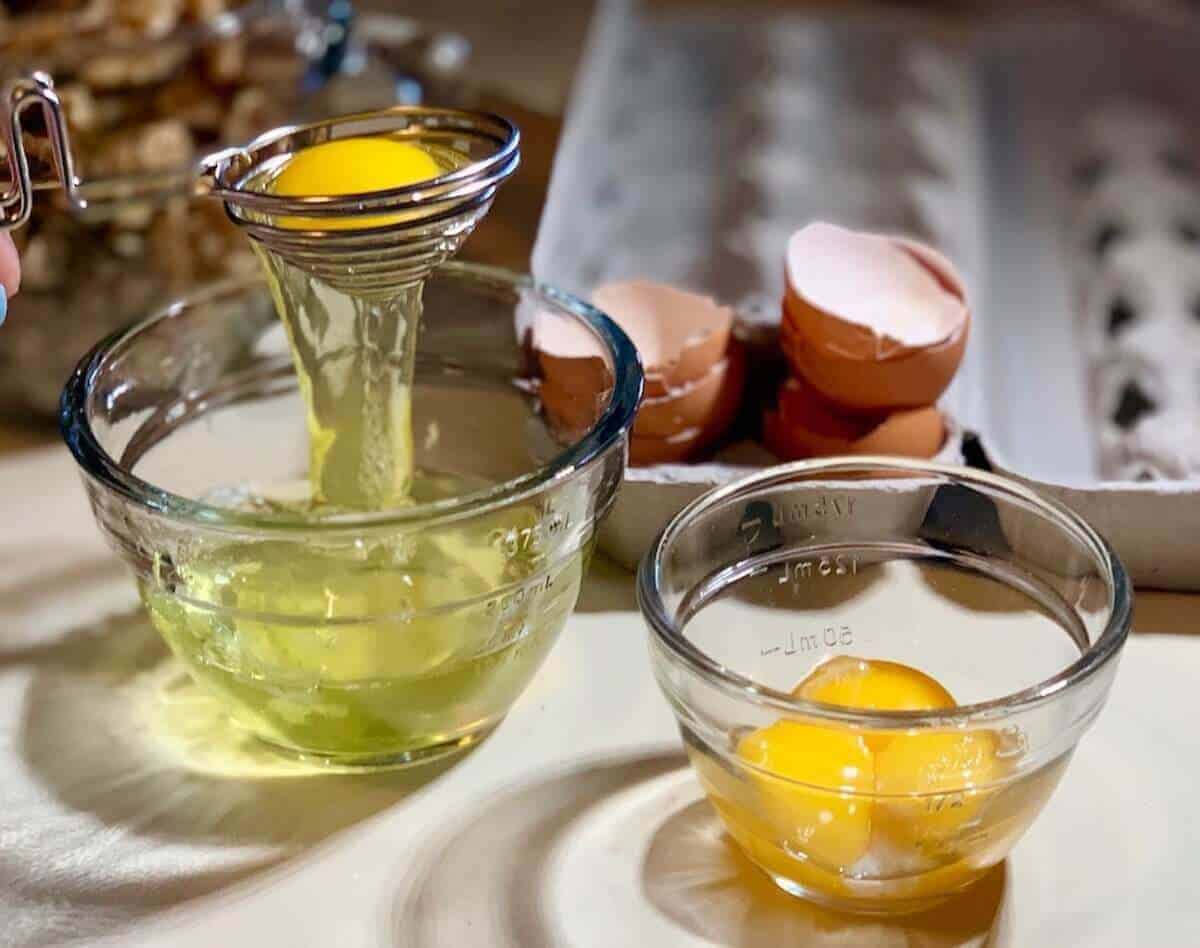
point(407, 230)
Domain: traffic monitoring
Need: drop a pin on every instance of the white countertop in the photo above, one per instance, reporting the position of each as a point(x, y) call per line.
point(577, 824)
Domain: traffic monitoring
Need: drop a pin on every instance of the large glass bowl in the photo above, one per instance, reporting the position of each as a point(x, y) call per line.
point(359, 639)
point(1007, 600)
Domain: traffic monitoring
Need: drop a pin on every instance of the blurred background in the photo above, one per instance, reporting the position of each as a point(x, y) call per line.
point(535, 63)
point(150, 85)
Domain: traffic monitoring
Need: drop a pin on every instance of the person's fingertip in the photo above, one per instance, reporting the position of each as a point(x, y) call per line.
point(10, 265)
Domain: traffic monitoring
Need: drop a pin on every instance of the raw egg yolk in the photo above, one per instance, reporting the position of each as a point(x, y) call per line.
point(352, 166)
point(839, 792)
point(931, 787)
point(800, 767)
point(873, 686)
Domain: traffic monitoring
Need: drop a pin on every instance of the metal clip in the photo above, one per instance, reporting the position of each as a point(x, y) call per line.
point(20, 95)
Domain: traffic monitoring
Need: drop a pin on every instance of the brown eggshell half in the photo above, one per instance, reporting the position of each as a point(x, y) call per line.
point(675, 428)
point(804, 425)
point(570, 356)
point(802, 406)
point(858, 370)
point(571, 410)
point(689, 443)
point(696, 404)
point(679, 335)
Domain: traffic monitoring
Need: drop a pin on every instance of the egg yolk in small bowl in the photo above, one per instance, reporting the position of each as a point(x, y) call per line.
point(890, 821)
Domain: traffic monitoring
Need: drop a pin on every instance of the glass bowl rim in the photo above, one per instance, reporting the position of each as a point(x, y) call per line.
point(670, 637)
point(608, 430)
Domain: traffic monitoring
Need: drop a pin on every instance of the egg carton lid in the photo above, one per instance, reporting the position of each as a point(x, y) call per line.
point(1008, 121)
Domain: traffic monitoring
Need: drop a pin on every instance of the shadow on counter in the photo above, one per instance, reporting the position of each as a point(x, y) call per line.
point(624, 851)
point(129, 791)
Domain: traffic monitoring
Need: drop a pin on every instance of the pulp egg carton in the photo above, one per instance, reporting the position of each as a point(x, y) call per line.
point(1065, 190)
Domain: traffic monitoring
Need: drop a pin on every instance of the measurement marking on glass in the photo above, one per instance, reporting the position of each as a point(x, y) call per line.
point(510, 601)
point(940, 802)
point(760, 513)
point(514, 542)
point(799, 570)
point(832, 636)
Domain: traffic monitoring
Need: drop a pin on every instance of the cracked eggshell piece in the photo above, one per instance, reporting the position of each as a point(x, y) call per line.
point(695, 370)
point(692, 419)
point(696, 404)
point(680, 338)
point(570, 359)
point(571, 413)
point(873, 323)
point(680, 335)
point(804, 426)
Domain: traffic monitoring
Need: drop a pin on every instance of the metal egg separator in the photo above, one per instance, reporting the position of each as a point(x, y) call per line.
point(423, 224)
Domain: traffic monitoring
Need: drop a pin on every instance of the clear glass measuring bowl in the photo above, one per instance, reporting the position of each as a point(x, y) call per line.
point(1009, 601)
point(365, 639)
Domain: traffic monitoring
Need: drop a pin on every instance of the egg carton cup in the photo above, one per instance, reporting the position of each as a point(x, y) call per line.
point(1129, 135)
point(1141, 203)
point(638, 128)
point(944, 75)
point(797, 97)
point(858, 60)
point(875, 149)
point(686, 202)
point(659, 157)
point(793, 51)
point(1158, 276)
point(1161, 447)
point(1133, 186)
point(850, 195)
point(1164, 333)
point(1010, 113)
point(1143, 375)
point(788, 102)
point(663, 224)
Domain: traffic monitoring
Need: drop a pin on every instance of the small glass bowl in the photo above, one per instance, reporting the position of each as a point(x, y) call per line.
point(365, 639)
point(1008, 600)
